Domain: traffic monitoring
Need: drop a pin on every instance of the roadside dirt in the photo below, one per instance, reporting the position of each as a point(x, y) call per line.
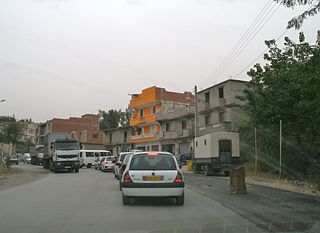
point(282, 184)
point(21, 174)
point(273, 182)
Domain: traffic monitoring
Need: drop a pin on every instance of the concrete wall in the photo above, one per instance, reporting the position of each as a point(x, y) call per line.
point(218, 107)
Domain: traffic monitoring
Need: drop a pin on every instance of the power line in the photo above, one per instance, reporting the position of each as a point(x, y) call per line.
point(263, 17)
point(237, 75)
point(240, 50)
point(282, 34)
point(262, 12)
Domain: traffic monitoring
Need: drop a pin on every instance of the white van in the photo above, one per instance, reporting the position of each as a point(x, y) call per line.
point(88, 157)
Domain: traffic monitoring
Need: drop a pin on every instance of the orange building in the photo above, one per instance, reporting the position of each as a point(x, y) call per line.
point(145, 107)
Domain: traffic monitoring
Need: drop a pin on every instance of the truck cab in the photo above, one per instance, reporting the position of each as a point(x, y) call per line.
point(64, 154)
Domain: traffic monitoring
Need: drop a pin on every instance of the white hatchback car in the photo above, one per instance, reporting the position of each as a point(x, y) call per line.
point(152, 174)
point(107, 163)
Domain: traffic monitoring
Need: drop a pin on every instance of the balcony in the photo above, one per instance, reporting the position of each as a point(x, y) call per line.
point(176, 134)
point(142, 120)
point(218, 127)
point(143, 137)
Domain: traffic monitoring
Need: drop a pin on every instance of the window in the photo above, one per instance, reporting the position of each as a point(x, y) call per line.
point(184, 124)
point(110, 138)
point(125, 136)
point(95, 135)
point(159, 162)
point(141, 112)
point(153, 129)
point(221, 95)
point(154, 109)
point(207, 120)
point(205, 142)
point(196, 143)
point(221, 116)
point(207, 97)
point(89, 154)
point(155, 148)
point(167, 127)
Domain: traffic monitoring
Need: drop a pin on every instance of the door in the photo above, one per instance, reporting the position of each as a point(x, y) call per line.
point(225, 151)
point(184, 148)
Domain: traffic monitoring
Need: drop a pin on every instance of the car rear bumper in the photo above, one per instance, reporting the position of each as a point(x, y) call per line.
point(152, 192)
point(152, 189)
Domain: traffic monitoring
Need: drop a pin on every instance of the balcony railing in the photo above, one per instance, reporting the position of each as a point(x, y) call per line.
point(176, 134)
point(142, 136)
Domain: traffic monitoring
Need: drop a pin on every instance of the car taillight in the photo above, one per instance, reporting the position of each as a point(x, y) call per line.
point(179, 178)
point(127, 178)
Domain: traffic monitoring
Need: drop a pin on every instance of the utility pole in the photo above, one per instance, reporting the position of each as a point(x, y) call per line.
point(280, 162)
point(196, 112)
point(255, 151)
point(195, 120)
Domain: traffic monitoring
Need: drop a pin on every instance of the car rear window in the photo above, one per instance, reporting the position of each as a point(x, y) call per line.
point(154, 162)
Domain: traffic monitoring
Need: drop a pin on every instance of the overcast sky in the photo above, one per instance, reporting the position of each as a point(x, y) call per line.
point(61, 58)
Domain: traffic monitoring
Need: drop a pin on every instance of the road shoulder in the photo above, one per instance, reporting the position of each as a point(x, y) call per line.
point(21, 174)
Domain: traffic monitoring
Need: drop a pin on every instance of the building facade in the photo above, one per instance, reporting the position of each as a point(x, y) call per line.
point(145, 107)
point(216, 107)
point(84, 128)
point(177, 130)
point(117, 140)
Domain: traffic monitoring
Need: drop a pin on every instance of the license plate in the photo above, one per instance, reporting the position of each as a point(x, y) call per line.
point(153, 178)
point(67, 166)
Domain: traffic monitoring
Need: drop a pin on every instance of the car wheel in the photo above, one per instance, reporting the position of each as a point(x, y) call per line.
point(125, 200)
point(89, 165)
point(76, 170)
point(180, 200)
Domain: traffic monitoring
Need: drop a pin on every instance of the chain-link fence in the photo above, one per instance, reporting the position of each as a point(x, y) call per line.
point(298, 158)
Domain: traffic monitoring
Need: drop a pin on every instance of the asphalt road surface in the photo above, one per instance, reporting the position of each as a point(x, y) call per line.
point(268, 208)
point(90, 201)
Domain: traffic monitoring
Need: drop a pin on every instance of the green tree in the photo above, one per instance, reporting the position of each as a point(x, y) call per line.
point(287, 88)
point(297, 21)
point(11, 133)
point(114, 118)
point(125, 118)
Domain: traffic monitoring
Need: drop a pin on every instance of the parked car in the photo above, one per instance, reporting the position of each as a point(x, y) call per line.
point(27, 158)
point(118, 163)
point(183, 157)
point(123, 167)
point(107, 163)
point(152, 174)
point(97, 162)
point(13, 159)
point(88, 157)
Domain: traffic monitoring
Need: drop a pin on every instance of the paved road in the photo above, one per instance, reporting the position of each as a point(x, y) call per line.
point(91, 202)
point(271, 209)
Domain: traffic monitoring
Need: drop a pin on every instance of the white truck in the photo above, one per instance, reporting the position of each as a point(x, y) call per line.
point(64, 155)
point(216, 152)
point(37, 157)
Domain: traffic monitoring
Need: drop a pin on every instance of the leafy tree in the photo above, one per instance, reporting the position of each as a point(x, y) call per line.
point(297, 21)
point(114, 118)
point(125, 118)
point(11, 133)
point(287, 88)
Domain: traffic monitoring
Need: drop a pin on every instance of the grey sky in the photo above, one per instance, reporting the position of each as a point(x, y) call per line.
point(61, 58)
